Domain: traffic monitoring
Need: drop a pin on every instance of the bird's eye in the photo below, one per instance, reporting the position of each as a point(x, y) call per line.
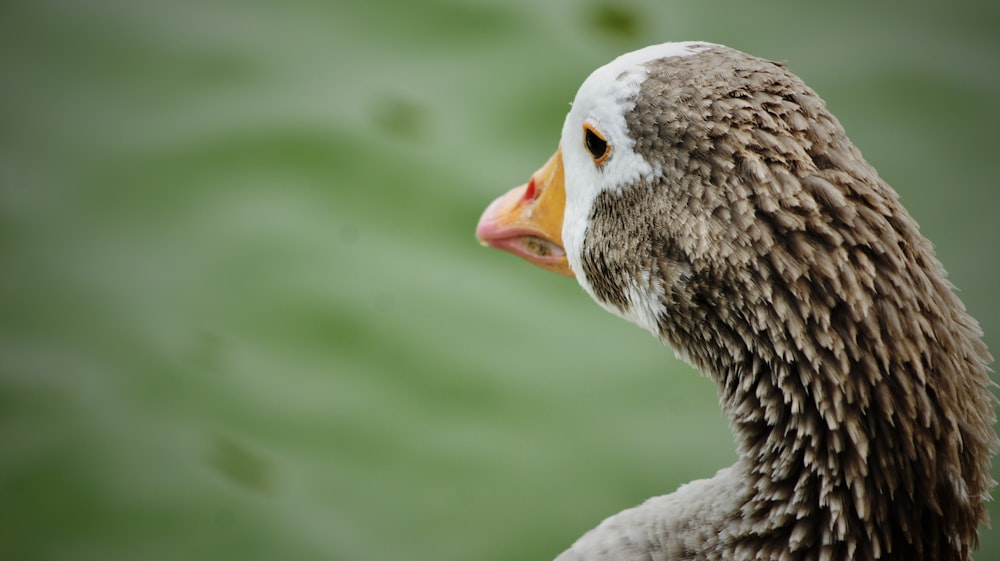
point(596, 144)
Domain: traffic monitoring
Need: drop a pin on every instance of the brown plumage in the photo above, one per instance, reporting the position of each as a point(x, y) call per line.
point(773, 257)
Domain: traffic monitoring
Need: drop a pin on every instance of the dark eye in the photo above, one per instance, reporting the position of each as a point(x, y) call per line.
point(596, 145)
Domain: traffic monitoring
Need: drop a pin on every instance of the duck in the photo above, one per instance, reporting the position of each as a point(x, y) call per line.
point(711, 198)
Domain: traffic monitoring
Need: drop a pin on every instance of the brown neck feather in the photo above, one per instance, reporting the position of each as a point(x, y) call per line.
point(856, 383)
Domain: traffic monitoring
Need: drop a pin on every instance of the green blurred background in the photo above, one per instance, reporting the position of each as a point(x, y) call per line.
point(242, 311)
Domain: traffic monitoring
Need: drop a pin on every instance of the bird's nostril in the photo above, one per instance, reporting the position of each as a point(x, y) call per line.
point(530, 191)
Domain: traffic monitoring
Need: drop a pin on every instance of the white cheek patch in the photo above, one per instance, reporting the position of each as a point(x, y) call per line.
point(584, 179)
point(603, 100)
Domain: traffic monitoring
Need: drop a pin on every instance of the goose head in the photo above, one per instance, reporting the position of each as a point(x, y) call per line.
point(709, 197)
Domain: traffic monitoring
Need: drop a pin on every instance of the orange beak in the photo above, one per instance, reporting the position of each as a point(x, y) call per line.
point(527, 220)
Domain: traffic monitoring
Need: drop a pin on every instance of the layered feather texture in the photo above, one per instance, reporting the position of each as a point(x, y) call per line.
point(766, 251)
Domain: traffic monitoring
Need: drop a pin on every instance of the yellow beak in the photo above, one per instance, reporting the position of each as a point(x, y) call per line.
point(527, 220)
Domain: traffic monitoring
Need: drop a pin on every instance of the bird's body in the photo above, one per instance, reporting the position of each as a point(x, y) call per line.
point(709, 197)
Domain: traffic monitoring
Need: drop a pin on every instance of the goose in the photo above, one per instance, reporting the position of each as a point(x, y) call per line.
point(709, 197)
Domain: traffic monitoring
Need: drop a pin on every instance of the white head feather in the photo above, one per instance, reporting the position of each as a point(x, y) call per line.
point(602, 102)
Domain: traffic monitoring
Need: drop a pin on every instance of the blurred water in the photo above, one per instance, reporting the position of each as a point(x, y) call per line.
point(242, 312)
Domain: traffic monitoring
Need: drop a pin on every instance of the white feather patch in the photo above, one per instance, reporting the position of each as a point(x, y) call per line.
point(602, 102)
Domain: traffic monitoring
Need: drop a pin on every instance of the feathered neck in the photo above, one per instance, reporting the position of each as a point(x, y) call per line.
point(862, 435)
point(775, 260)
